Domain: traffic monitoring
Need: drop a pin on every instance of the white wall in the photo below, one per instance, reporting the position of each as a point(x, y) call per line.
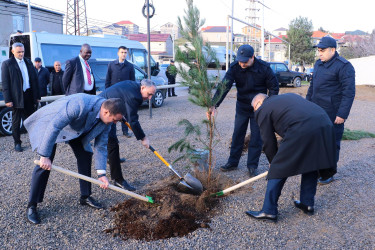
point(364, 74)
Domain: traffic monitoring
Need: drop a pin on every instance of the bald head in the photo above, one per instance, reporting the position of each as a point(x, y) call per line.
point(258, 100)
point(85, 51)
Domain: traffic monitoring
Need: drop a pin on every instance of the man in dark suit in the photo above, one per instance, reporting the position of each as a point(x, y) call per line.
point(308, 146)
point(55, 80)
point(332, 88)
point(20, 89)
point(78, 77)
point(76, 119)
point(133, 95)
point(43, 78)
point(118, 71)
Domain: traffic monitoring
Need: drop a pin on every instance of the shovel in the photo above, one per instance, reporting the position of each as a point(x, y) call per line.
point(230, 189)
point(188, 183)
point(95, 181)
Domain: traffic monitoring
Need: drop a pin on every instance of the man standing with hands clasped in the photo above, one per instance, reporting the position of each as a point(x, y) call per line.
point(332, 88)
point(252, 76)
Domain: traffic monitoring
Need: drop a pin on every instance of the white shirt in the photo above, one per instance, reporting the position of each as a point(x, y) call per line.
point(87, 87)
point(25, 74)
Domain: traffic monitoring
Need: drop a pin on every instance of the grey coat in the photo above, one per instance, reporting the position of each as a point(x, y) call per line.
point(66, 119)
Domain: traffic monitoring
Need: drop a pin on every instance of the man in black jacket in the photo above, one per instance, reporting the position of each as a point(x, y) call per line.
point(252, 76)
point(20, 89)
point(332, 88)
point(133, 95)
point(43, 78)
point(308, 146)
point(118, 71)
point(55, 79)
point(78, 76)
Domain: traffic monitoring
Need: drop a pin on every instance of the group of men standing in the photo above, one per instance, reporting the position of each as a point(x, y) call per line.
point(309, 127)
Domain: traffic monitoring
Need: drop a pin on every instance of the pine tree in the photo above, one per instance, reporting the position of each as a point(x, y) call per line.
point(192, 67)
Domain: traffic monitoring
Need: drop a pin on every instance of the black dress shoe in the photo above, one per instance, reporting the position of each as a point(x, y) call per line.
point(122, 160)
point(252, 172)
point(32, 215)
point(174, 95)
point(306, 209)
point(325, 181)
point(18, 147)
point(228, 167)
point(261, 215)
point(89, 201)
point(124, 185)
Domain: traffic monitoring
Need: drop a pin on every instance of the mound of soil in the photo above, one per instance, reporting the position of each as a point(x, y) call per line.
point(174, 214)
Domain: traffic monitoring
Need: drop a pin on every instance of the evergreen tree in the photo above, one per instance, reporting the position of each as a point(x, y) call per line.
point(192, 67)
point(299, 37)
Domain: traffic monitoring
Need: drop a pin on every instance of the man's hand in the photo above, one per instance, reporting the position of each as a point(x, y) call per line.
point(211, 112)
point(45, 163)
point(145, 142)
point(38, 101)
point(339, 120)
point(105, 180)
point(9, 104)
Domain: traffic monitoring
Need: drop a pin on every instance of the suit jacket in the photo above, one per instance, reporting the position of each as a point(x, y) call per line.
point(73, 79)
point(43, 79)
point(66, 119)
point(13, 82)
point(118, 72)
point(52, 78)
point(130, 92)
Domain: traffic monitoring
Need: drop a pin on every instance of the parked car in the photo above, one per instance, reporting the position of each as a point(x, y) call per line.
point(286, 76)
point(99, 68)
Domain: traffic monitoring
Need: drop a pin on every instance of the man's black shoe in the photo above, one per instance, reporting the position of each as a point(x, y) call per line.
point(261, 215)
point(124, 185)
point(32, 215)
point(306, 209)
point(89, 201)
point(122, 160)
point(18, 147)
point(228, 167)
point(252, 172)
point(325, 181)
point(174, 95)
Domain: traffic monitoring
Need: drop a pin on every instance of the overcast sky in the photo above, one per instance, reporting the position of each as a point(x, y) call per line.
point(333, 15)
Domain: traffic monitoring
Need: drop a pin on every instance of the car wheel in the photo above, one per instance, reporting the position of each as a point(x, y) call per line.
point(6, 121)
point(297, 82)
point(157, 99)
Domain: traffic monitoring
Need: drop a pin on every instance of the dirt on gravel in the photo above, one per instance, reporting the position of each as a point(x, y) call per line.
point(174, 214)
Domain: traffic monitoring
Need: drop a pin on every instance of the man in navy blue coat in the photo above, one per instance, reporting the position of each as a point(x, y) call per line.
point(118, 71)
point(252, 76)
point(332, 88)
point(43, 77)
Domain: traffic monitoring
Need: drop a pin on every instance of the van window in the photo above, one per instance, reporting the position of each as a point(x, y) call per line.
point(139, 76)
point(139, 59)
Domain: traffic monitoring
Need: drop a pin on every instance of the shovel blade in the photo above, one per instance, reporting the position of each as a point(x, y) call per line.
point(194, 183)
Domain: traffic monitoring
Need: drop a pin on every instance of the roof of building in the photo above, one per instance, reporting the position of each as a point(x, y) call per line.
point(33, 7)
point(356, 32)
point(215, 29)
point(281, 29)
point(153, 37)
point(319, 34)
point(124, 22)
point(276, 39)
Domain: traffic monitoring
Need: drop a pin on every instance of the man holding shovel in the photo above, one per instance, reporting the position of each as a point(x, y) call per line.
point(76, 119)
point(308, 146)
point(132, 95)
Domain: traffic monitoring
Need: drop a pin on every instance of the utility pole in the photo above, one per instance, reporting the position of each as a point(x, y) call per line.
point(252, 17)
point(29, 11)
point(76, 18)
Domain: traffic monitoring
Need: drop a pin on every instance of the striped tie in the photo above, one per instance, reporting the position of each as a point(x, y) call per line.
point(88, 73)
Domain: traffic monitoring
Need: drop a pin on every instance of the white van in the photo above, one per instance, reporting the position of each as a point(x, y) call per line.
point(59, 47)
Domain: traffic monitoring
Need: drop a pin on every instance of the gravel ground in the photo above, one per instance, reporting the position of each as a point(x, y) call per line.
point(344, 217)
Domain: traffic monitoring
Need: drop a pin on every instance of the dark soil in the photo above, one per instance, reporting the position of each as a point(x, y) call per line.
point(174, 214)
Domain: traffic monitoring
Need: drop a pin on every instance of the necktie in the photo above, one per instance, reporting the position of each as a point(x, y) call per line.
point(23, 75)
point(88, 73)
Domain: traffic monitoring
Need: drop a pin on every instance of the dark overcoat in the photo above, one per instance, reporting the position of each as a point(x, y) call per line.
point(118, 72)
point(12, 82)
point(73, 79)
point(308, 142)
point(58, 76)
point(130, 93)
point(43, 80)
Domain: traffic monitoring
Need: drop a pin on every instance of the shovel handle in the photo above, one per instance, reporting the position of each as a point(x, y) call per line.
point(95, 181)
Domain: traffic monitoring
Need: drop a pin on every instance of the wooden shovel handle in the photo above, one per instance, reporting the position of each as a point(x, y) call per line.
point(95, 181)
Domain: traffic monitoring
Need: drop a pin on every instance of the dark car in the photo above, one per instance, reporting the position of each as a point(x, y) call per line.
point(100, 67)
point(286, 76)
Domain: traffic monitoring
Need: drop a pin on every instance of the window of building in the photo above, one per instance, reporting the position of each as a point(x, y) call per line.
point(18, 23)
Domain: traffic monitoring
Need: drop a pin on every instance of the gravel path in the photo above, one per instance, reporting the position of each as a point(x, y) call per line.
point(344, 218)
